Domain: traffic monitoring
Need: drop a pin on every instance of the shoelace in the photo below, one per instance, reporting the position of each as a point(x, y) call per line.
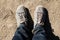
point(21, 15)
point(39, 17)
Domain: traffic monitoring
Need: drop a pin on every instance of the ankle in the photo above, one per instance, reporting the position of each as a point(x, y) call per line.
point(41, 24)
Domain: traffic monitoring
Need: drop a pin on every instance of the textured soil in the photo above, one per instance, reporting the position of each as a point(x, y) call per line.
point(8, 11)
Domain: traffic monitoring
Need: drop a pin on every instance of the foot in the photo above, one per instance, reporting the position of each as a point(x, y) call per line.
point(38, 16)
point(20, 15)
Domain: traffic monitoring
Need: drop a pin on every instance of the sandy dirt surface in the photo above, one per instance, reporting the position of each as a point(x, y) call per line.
point(8, 11)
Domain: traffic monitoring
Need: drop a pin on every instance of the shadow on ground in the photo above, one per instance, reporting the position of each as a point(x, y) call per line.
point(29, 19)
point(29, 23)
point(47, 27)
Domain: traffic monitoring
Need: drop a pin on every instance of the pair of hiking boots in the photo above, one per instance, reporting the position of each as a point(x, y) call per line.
point(21, 16)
